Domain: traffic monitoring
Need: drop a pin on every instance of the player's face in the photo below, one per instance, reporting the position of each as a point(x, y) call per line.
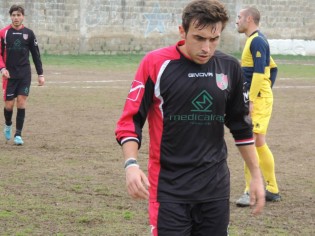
point(201, 43)
point(17, 19)
point(241, 22)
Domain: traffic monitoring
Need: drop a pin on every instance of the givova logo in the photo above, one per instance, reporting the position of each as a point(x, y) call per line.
point(200, 75)
point(202, 102)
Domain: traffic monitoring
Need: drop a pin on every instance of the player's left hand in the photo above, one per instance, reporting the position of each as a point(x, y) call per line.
point(41, 80)
point(257, 195)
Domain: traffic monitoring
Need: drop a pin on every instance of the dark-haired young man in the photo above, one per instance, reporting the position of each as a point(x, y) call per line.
point(188, 92)
point(16, 43)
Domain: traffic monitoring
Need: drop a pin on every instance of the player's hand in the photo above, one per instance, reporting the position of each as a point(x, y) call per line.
point(5, 73)
point(257, 195)
point(137, 183)
point(41, 80)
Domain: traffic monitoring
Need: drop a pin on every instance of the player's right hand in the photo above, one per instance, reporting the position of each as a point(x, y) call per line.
point(257, 195)
point(5, 73)
point(137, 183)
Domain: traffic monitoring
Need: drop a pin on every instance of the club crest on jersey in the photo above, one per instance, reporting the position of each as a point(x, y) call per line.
point(222, 81)
point(25, 36)
point(135, 90)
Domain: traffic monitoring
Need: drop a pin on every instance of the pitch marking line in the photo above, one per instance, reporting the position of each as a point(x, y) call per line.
point(64, 84)
point(294, 87)
point(88, 81)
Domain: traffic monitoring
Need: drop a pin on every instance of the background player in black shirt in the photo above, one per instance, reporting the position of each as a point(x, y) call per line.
point(16, 43)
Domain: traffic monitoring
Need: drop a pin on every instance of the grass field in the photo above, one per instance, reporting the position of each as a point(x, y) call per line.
point(68, 178)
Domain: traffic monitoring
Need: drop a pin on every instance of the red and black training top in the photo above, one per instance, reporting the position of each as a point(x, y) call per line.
point(187, 106)
point(14, 51)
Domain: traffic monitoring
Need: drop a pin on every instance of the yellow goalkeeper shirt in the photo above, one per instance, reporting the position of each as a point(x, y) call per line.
point(256, 63)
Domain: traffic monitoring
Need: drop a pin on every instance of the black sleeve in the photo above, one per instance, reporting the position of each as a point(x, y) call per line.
point(237, 118)
point(273, 75)
point(35, 54)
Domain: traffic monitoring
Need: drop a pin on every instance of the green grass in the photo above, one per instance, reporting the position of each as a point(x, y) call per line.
point(293, 66)
point(289, 66)
point(106, 62)
point(296, 71)
point(284, 57)
point(294, 57)
point(4, 214)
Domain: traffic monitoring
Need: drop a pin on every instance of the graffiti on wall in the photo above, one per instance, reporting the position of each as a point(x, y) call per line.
point(155, 20)
point(139, 18)
point(100, 13)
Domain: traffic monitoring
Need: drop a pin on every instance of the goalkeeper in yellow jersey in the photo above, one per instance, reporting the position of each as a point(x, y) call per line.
point(260, 73)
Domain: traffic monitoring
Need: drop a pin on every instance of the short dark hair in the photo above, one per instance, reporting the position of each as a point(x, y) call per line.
point(18, 8)
point(204, 13)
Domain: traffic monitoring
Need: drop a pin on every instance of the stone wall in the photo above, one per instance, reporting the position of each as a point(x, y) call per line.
point(125, 26)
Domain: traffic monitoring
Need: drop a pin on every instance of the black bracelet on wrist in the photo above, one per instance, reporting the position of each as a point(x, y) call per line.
point(131, 162)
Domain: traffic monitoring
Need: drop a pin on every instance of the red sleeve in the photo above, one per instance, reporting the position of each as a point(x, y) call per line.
point(129, 126)
point(2, 37)
point(2, 46)
point(142, 97)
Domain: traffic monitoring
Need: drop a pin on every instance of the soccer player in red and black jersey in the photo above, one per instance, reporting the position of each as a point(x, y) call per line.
point(16, 43)
point(189, 92)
